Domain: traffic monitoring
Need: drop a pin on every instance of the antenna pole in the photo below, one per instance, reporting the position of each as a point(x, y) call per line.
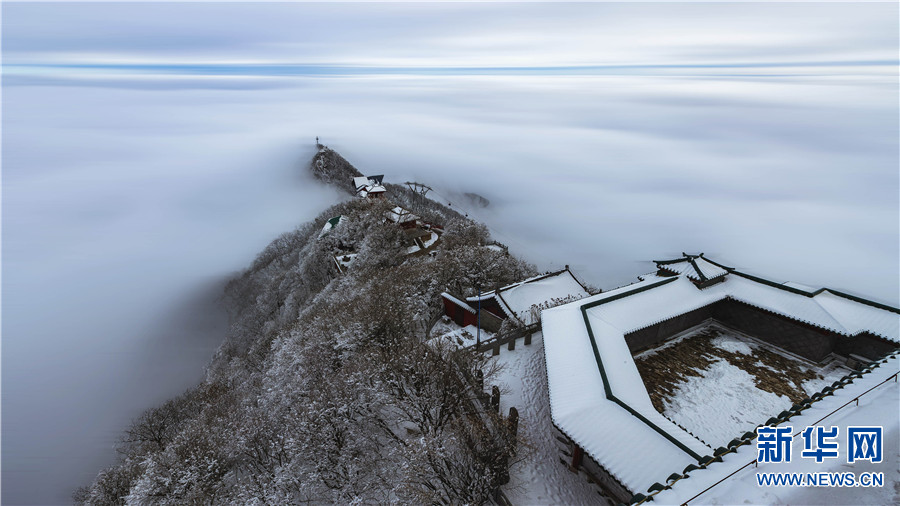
point(478, 334)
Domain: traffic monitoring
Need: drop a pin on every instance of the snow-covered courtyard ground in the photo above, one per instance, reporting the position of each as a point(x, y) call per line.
point(878, 407)
point(539, 477)
point(718, 383)
point(446, 329)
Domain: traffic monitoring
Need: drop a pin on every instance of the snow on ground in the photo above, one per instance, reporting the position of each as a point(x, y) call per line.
point(729, 342)
point(725, 401)
point(830, 372)
point(540, 478)
point(462, 337)
point(722, 404)
point(880, 407)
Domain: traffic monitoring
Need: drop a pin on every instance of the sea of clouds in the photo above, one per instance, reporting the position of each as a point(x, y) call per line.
point(130, 194)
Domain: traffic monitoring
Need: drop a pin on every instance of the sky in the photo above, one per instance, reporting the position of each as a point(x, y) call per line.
point(151, 150)
point(442, 34)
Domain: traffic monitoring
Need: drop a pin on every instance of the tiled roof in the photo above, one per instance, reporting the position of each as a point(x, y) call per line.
point(368, 184)
point(823, 308)
point(606, 431)
point(360, 182)
point(857, 317)
point(584, 346)
point(331, 224)
point(517, 299)
point(400, 215)
point(695, 267)
point(457, 302)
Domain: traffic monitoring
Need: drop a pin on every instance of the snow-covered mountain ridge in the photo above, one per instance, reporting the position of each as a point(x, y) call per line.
point(325, 389)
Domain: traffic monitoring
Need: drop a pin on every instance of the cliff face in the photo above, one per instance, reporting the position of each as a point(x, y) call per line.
point(324, 390)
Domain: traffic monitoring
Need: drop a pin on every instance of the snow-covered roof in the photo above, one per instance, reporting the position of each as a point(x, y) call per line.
point(458, 302)
point(824, 308)
point(597, 396)
point(516, 300)
point(331, 223)
point(579, 406)
point(400, 215)
point(695, 267)
point(360, 182)
point(799, 286)
point(368, 184)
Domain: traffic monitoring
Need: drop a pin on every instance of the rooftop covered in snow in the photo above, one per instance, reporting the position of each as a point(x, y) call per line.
point(824, 308)
point(331, 224)
point(369, 186)
point(695, 267)
point(401, 215)
point(597, 397)
point(518, 299)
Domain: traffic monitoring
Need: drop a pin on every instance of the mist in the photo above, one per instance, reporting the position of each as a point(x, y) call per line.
point(132, 193)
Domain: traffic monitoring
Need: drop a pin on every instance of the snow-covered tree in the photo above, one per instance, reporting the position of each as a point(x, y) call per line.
point(325, 390)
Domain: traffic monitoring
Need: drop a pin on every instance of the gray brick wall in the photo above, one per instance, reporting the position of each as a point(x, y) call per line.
point(650, 336)
point(796, 337)
point(865, 344)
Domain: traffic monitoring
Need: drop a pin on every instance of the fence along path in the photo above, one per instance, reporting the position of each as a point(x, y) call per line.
point(508, 338)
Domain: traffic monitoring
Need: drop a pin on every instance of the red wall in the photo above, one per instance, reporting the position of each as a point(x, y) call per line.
point(458, 314)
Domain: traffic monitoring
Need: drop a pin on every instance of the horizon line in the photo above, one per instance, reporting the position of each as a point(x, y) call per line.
point(308, 69)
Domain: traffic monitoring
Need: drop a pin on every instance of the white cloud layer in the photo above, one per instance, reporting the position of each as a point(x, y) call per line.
point(130, 191)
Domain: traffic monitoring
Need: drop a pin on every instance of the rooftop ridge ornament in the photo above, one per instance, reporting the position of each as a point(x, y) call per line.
point(699, 269)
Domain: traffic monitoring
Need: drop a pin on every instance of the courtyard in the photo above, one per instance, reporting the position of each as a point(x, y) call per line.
point(718, 383)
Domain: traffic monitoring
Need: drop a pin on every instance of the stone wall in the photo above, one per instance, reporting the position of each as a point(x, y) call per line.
point(865, 344)
point(490, 322)
point(799, 338)
point(794, 336)
point(650, 336)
